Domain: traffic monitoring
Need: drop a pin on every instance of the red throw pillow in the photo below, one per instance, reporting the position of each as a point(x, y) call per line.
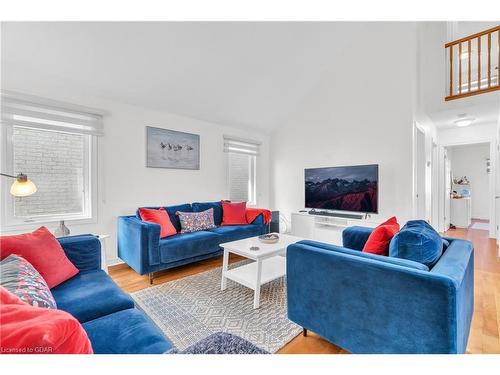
point(43, 251)
point(27, 329)
point(234, 213)
point(158, 217)
point(379, 240)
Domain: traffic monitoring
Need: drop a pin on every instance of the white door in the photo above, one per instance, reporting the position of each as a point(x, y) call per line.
point(420, 175)
point(447, 190)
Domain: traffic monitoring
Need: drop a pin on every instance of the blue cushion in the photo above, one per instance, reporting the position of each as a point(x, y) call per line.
point(187, 245)
point(126, 332)
point(90, 295)
point(83, 250)
point(355, 237)
point(446, 243)
point(171, 210)
point(381, 258)
point(237, 232)
point(417, 241)
point(203, 206)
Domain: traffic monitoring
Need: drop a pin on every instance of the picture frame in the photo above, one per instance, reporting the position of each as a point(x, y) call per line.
point(172, 149)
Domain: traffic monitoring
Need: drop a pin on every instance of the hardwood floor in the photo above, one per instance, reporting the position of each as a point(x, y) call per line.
point(485, 331)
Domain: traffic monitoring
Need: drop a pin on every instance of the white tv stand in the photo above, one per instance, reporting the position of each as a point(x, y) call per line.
point(325, 228)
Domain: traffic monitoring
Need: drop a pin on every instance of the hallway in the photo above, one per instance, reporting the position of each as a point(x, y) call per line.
point(485, 331)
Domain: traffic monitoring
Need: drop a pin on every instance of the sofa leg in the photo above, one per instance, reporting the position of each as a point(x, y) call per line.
point(304, 332)
point(151, 276)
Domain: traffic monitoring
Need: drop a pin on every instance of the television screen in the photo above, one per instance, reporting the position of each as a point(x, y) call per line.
point(352, 188)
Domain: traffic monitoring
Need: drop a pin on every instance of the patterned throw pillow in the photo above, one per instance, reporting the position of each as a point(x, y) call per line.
point(196, 221)
point(19, 277)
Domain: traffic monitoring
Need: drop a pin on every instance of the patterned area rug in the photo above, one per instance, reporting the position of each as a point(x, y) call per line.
point(189, 309)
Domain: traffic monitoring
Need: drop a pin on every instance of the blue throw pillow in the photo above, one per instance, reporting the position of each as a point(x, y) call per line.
point(417, 241)
point(446, 243)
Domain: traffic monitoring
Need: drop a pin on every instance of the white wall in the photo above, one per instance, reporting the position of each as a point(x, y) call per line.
point(124, 181)
point(470, 161)
point(361, 113)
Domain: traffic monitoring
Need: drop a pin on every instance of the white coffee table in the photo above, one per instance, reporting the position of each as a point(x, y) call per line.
point(270, 263)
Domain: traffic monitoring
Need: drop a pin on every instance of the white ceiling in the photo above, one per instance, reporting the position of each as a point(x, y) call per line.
point(484, 109)
point(237, 74)
point(232, 73)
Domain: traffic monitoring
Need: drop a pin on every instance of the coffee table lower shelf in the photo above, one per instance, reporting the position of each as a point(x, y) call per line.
point(250, 276)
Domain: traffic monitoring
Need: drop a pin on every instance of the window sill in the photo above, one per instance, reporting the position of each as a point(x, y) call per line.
point(28, 225)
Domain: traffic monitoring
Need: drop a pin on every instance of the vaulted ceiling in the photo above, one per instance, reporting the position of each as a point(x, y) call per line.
point(238, 74)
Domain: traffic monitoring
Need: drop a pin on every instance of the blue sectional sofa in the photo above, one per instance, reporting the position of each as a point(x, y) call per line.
point(108, 315)
point(369, 303)
point(140, 245)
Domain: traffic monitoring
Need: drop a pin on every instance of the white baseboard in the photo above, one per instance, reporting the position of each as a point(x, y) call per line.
point(114, 262)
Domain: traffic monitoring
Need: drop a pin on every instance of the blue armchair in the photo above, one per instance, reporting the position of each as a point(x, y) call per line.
point(368, 303)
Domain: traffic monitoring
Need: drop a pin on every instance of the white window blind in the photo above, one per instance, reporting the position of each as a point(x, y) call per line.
point(241, 165)
point(241, 146)
point(34, 112)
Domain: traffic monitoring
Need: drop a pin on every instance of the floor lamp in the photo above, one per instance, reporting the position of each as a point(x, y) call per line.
point(22, 186)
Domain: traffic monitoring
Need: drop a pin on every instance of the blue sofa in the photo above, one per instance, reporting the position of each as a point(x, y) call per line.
point(108, 315)
point(369, 303)
point(140, 245)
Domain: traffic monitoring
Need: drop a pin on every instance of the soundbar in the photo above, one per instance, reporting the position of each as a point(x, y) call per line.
point(335, 214)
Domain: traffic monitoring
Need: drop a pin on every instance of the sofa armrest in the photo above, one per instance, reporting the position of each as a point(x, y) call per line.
point(355, 237)
point(368, 306)
point(138, 243)
point(259, 220)
point(84, 251)
point(457, 263)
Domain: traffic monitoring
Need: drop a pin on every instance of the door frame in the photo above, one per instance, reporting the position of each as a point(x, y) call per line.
point(492, 182)
point(416, 199)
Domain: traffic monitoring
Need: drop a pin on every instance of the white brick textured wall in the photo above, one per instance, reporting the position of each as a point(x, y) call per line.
point(55, 163)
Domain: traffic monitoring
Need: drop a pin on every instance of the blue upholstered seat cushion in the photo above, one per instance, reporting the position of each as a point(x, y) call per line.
point(90, 295)
point(203, 206)
point(126, 332)
point(187, 245)
point(381, 258)
point(417, 241)
point(237, 232)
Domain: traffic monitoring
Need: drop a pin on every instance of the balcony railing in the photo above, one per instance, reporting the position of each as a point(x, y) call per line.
point(473, 64)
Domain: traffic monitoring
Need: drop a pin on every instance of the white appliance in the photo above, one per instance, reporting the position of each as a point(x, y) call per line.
point(461, 212)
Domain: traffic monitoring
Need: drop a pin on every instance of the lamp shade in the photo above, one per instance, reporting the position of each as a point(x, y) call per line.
point(22, 188)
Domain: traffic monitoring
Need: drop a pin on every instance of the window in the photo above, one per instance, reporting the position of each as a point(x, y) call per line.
point(55, 145)
point(241, 169)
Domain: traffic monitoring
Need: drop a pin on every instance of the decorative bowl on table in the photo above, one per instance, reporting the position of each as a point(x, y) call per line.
point(269, 238)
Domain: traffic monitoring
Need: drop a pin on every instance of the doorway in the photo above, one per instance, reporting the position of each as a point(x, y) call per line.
point(469, 187)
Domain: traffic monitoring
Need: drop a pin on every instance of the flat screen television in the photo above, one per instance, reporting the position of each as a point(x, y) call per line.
point(353, 188)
